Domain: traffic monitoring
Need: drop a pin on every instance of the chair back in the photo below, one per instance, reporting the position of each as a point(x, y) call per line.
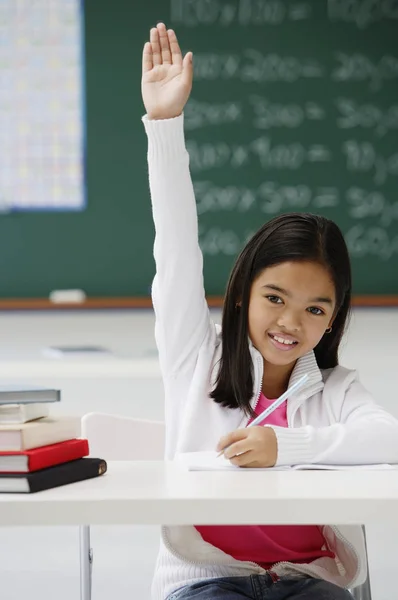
point(115, 437)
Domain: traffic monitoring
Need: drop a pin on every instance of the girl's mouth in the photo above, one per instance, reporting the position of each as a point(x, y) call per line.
point(282, 343)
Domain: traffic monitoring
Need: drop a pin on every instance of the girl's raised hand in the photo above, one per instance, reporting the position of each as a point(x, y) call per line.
point(166, 76)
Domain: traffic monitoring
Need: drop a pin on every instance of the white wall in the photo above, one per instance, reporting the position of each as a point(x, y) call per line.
point(129, 383)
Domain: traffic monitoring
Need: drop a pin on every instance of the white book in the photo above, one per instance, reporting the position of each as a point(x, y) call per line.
point(41, 432)
point(209, 461)
point(22, 413)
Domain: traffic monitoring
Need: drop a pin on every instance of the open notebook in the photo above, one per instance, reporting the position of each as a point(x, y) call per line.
point(208, 461)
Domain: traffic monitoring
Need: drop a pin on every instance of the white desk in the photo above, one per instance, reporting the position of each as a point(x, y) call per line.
point(155, 492)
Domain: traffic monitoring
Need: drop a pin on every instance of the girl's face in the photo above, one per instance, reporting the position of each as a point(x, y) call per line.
point(291, 305)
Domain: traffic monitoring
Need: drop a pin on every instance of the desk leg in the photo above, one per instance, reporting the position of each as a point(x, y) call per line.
point(86, 563)
point(363, 592)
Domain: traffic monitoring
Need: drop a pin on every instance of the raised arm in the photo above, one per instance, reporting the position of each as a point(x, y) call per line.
point(182, 316)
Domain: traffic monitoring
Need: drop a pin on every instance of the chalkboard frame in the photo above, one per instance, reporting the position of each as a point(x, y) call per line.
point(146, 302)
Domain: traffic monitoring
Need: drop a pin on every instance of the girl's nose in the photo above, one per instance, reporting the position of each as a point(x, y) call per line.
point(289, 321)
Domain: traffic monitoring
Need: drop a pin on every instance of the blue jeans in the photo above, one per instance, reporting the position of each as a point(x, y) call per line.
point(262, 587)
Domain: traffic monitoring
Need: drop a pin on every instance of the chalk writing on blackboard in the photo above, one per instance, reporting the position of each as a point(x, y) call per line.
point(361, 241)
point(193, 13)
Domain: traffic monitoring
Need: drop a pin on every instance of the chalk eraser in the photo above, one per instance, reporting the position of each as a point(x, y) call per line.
point(67, 296)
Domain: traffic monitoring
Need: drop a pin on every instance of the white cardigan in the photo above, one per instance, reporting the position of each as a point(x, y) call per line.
point(333, 419)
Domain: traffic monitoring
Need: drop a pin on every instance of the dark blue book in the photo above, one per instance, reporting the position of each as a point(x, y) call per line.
point(25, 394)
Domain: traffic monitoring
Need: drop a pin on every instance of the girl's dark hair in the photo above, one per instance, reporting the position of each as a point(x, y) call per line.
point(288, 237)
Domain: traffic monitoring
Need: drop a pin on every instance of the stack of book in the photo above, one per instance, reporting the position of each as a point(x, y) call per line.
point(37, 451)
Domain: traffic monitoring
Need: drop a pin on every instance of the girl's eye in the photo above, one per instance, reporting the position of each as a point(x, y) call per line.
point(274, 299)
point(315, 310)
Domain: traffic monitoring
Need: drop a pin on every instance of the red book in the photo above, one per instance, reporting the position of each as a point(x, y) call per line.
point(43, 456)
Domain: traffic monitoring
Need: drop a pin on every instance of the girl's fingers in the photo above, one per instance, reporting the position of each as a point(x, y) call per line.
point(164, 44)
point(243, 460)
point(231, 438)
point(176, 55)
point(155, 44)
point(147, 62)
point(237, 449)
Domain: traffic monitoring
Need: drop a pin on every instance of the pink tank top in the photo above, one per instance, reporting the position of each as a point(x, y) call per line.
point(268, 544)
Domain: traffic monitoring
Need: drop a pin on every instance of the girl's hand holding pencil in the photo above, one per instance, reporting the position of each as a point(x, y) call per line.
point(256, 446)
point(251, 447)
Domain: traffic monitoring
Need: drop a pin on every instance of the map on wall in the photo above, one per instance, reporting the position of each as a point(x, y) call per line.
point(42, 127)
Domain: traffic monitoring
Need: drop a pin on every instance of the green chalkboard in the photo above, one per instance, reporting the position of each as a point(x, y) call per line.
point(294, 107)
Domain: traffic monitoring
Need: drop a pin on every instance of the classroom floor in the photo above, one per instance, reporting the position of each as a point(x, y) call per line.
point(43, 563)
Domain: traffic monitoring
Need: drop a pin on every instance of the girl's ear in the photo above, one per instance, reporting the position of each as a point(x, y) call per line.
point(334, 315)
point(330, 326)
point(332, 320)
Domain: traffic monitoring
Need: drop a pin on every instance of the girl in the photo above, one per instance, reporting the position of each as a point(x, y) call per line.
point(286, 307)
